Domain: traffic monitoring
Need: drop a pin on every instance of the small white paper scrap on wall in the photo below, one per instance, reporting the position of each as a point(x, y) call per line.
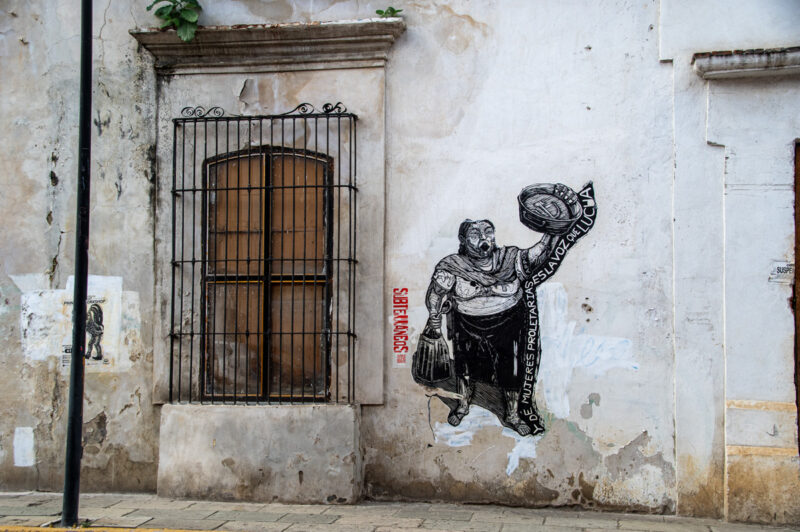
point(24, 455)
point(781, 272)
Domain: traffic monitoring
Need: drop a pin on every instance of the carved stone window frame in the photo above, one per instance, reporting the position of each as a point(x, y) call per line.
point(351, 55)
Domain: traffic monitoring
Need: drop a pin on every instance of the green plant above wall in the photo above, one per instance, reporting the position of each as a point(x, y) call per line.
point(179, 14)
point(388, 12)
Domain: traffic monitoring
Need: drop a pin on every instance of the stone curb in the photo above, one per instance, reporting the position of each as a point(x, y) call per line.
point(14, 528)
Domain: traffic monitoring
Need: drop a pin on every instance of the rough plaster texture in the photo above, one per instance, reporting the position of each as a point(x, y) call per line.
point(733, 221)
point(39, 44)
point(699, 357)
point(693, 180)
point(305, 454)
point(486, 138)
point(763, 489)
point(758, 136)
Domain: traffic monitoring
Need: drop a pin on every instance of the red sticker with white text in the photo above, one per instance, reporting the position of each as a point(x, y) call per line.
point(400, 326)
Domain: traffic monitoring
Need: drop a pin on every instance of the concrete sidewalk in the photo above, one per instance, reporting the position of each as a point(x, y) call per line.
point(24, 511)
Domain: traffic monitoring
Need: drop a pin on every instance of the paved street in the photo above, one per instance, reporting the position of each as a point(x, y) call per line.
point(23, 511)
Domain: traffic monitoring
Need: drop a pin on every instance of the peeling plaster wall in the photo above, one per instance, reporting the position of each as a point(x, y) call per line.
point(39, 43)
point(497, 105)
point(733, 224)
point(653, 374)
point(749, 120)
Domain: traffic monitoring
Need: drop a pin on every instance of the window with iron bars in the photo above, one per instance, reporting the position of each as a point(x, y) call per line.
point(263, 257)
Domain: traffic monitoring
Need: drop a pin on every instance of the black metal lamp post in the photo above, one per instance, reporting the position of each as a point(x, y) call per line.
point(72, 468)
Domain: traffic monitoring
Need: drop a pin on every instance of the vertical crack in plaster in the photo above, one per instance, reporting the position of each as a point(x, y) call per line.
point(49, 427)
point(51, 272)
point(100, 34)
point(54, 208)
point(55, 399)
point(118, 183)
point(152, 159)
point(674, 292)
point(430, 424)
point(724, 325)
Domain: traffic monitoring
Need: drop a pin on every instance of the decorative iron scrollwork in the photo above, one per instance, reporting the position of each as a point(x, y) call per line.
point(304, 109)
point(336, 108)
point(327, 109)
point(202, 112)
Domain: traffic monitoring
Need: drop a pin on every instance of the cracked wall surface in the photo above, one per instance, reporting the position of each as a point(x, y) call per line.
point(648, 318)
point(39, 44)
point(520, 104)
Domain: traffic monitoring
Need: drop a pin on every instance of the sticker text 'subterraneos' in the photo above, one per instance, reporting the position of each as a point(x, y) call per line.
point(400, 324)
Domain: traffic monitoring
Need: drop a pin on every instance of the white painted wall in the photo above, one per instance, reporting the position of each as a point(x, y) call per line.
point(733, 219)
point(658, 317)
point(485, 116)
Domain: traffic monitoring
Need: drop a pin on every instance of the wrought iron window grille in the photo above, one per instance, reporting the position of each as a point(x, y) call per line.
point(263, 256)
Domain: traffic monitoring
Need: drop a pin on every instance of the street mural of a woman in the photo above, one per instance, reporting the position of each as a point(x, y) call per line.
point(485, 295)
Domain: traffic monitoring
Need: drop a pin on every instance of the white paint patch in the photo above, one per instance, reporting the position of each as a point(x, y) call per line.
point(42, 323)
point(524, 448)
point(24, 455)
point(478, 419)
point(28, 282)
point(563, 351)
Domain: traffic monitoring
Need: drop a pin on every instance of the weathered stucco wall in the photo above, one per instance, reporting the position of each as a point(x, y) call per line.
point(667, 351)
point(746, 118)
point(509, 108)
point(39, 44)
point(733, 180)
point(306, 453)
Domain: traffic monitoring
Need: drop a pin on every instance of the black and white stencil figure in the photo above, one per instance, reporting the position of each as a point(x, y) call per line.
point(485, 297)
point(94, 328)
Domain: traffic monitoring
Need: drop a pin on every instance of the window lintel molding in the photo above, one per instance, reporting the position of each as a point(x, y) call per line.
point(735, 64)
point(274, 47)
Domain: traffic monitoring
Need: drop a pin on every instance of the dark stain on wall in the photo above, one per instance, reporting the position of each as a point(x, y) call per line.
point(120, 473)
point(586, 408)
point(94, 431)
point(630, 459)
point(565, 472)
point(753, 492)
point(101, 123)
point(705, 499)
point(118, 183)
